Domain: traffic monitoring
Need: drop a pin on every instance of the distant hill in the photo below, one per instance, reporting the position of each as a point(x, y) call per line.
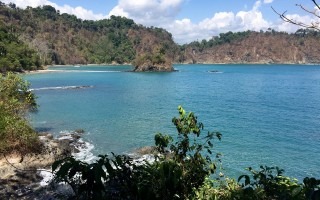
point(55, 38)
point(256, 47)
point(65, 39)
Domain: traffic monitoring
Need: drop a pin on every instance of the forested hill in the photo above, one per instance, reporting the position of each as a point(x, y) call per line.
point(44, 36)
point(302, 47)
point(65, 39)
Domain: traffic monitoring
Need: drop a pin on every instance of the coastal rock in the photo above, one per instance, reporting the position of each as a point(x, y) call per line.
point(19, 176)
point(148, 66)
point(256, 48)
point(146, 150)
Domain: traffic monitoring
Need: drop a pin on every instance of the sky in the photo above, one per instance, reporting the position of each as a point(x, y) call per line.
point(188, 20)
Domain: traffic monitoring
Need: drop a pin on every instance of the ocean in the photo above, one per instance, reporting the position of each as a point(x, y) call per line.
point(267, 114)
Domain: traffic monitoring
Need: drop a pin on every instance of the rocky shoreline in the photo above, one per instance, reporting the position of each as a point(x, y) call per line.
point(20, 176)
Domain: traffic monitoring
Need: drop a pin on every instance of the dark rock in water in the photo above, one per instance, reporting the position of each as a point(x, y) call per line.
point(79, 131)
point(148, 66)
point(146, 150)
point(214, 71)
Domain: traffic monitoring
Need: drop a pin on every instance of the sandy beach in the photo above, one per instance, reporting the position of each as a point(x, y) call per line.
point(42, 71)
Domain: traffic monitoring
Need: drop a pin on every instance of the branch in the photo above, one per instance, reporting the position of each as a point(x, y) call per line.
point(283, 16)
point(315, 3)
point(23, 170)
point(308, 11)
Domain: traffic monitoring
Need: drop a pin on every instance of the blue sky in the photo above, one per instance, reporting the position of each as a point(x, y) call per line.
point(187, 20)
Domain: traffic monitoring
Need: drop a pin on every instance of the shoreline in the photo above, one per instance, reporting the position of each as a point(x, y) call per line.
point(46, 70)
point(41, 71)
point(27, 177)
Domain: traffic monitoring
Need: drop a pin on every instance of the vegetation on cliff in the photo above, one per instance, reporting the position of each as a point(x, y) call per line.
point(14, 54)
point(16, 134)
point(43, 36)
point(154, 61)
point(255, 47)
point(66, 39)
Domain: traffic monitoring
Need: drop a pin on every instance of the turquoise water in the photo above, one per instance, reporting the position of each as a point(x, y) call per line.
point(268, 114)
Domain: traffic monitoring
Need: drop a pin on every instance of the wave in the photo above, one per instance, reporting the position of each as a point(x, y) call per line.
point(62, 87)
point(85, 71)
point(84, 154)
point(84, 148)
point(85, 151)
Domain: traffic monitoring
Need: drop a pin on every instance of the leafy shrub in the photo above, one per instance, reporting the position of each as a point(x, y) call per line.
point(224, 189)
point(16, 100)
point(103, 179)
point(14, 54)
point(171, 176)
point(269, 183)
point(311, 188)
point(182, 169)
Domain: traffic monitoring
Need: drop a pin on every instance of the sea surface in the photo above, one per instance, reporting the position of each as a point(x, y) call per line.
point(267, 114)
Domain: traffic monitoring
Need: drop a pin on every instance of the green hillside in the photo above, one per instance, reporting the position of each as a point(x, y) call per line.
point(65, 39)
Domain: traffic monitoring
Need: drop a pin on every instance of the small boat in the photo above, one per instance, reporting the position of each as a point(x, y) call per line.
point(215, 71)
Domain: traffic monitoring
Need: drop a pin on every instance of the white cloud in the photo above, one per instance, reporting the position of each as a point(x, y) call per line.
point(32, 3)
point(77, 11)
point(256, 5)
point(267, 1)
point(118, 11)
point(288, 27)
point(221, 22)
point(148, 12)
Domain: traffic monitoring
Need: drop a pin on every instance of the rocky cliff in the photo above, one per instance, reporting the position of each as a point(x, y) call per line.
point(260, 48)
point(154, 49)
point(65, 39)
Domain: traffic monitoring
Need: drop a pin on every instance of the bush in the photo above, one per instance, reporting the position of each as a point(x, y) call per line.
point(172, 175)
point(16, 100)
point(270, 183)
point(182, 169)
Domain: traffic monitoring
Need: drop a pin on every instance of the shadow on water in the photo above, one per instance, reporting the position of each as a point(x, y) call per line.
point(43, 129)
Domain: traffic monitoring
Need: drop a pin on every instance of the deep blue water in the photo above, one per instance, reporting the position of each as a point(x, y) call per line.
point(268, 114)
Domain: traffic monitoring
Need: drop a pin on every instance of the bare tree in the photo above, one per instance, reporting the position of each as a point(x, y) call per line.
point(313, 12)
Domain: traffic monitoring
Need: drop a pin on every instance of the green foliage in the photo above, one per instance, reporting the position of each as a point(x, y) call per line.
point(177, 174)
point(182, 169)
point(16, 100)
point(53, 34)
point(311, 188)
point(219, 190)
point(171, 176)
point(157, 58)
point(223, 38)
point(162, 142)
point(106, 178)
point(14, 54)
point(269, 183)
point(65, 39)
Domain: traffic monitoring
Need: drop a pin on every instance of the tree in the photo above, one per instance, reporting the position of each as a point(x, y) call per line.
point(314, 13)
point(173, 175)
point(16, 100)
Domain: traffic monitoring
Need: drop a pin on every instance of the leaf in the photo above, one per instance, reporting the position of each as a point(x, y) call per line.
point(209, 151)
point(246, 181)
point(56, 164)
point(63, 170)
point(72, 172)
